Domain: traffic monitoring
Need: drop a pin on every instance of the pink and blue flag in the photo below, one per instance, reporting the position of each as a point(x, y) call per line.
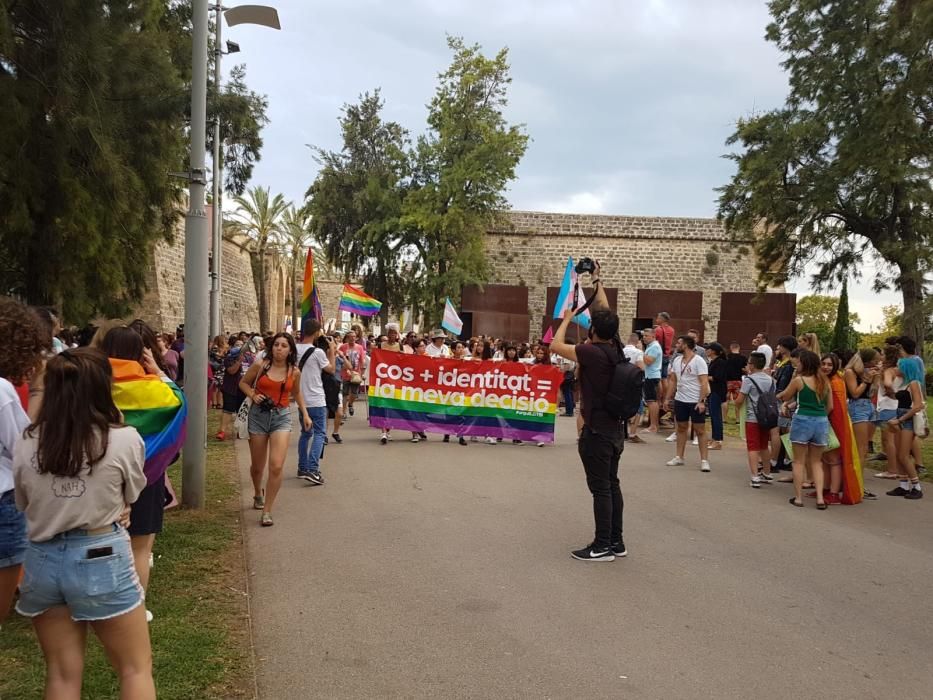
point(565, 296)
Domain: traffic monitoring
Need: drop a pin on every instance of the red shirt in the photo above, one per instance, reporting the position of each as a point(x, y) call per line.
point(22, 390)
point(665, 336)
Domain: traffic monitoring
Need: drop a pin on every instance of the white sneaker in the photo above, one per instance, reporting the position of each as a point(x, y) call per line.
point(540, 444)
point(695, 441)
point(148, 616)
point(704, 466)
point(756, 482)
point(671, 438)
point(491, 441)
point(384, 439)
point(675, 462)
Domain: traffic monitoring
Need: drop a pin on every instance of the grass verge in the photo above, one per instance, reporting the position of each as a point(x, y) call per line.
point(200, 634)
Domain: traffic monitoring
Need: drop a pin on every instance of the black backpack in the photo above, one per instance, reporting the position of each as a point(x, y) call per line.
point(766, 407)
point(330, 383)
point(623, 398)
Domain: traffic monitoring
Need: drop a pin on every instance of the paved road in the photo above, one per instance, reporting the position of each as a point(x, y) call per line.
point(441, 571)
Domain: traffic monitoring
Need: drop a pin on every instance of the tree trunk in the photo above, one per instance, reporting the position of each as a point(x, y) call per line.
point(263, 301)
point(911, 284)
point(296, 322)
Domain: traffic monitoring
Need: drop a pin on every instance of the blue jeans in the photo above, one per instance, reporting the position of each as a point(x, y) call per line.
point(311, 461)
point(714, 404)
point(568, 398)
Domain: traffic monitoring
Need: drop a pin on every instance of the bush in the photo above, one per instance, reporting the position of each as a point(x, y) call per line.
point(929, 382)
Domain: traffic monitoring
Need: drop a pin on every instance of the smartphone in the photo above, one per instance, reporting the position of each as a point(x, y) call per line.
point(99, 552)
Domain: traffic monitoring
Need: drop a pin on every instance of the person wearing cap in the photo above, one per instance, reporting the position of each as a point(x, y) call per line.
point(437, 347)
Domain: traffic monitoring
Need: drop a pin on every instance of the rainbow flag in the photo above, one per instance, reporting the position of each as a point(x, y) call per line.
point(310, 301)
point(157, 410)
point(358, 302)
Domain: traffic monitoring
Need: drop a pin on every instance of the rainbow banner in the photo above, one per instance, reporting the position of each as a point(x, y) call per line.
point(157, 410)
point(310, 301)
point(507, 400)
point(358, 302)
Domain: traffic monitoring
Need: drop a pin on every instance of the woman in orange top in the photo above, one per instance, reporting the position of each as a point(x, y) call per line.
point(271, 385)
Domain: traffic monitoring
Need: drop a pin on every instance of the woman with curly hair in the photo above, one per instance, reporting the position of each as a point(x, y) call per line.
point(20, 358)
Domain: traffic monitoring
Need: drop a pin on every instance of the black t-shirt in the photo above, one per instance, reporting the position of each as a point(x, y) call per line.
point(596, 371)
point(736, 364)
point(718, 375)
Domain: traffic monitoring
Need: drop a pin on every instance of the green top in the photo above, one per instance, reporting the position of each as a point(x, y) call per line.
point(809, 404)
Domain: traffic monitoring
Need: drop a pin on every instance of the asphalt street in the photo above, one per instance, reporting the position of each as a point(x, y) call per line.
point(435, 570)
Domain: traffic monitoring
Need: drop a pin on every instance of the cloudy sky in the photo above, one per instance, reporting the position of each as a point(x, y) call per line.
point(628, 102)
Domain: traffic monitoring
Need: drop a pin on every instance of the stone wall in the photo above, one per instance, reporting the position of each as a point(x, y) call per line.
point(634, 252)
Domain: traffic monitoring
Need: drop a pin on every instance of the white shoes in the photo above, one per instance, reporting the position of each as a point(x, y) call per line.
point(675, 462)
point(490, 441)
point(704, 466)
point(695, 441)
point(671, 438)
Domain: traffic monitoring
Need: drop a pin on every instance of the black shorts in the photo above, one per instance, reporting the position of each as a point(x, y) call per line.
point(651, 389)
point(146, 513)
point(684, 412)
point(232, 402)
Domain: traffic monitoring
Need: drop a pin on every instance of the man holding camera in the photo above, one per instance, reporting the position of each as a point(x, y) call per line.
point(603, 437)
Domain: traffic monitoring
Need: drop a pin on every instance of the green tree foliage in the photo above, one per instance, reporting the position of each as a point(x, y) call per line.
point(844, 334)
point(841, 174)
point(461, 168)
point(295, 237)
point(259, 216)
point(817, 313)
point(242, 117)
point(355, 203)
point(95, 100)
point(88, 136)
point(890, 327)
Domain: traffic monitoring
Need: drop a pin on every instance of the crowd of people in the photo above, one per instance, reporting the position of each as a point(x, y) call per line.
point(83, 414)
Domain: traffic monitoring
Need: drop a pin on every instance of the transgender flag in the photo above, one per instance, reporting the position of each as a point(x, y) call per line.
point(565, 296)
point(452, 322)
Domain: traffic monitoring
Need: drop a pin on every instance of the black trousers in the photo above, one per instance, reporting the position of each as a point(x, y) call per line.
point(600, 454)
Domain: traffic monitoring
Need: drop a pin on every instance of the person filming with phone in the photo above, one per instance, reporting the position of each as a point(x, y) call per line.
point(688, 388)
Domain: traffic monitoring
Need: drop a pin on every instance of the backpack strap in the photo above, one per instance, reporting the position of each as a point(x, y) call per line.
point(306, 357)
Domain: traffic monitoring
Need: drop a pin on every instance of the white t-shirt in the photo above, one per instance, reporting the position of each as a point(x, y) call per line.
point(634, 355)
point(433, 351)
point(688, 377)
point(766, 350)
point(312, 387)
point(13, 421)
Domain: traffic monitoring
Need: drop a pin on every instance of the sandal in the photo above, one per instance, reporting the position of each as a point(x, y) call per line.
point(266, 520)
point(259, 502)
point(793, 502)
point(807, 485)
point(821, 506)
point(785, 480)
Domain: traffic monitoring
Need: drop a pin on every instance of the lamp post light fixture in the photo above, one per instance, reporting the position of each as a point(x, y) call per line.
point(197, 324)
point(242, 14)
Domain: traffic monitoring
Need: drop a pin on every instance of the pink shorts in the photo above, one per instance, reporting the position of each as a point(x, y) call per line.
point(756, 437)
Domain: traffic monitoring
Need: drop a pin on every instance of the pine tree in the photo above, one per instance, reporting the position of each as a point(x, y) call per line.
point(842, 331)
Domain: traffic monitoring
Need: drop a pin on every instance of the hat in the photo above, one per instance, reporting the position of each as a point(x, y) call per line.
point(438, 333)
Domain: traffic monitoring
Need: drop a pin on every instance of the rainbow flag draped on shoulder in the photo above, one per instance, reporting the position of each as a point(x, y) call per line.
point(358, 302)
point(463, 397)
point(157, 410)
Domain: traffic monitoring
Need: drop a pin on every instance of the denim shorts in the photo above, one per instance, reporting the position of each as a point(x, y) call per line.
point(277, 420)
point(861, 410)
point(907, 424)
point(12, 532)
point(59, 572)
point(885, 415)
point(809, 430)
point(665, 367)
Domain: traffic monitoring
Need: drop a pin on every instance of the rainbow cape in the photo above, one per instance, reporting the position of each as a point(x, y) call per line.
point(157, 410)
point(358, 302)
point(852, 482)
point(310, 301)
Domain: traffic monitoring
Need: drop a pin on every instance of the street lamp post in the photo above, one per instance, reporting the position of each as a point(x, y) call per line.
point(197, 289)
point(244, 14)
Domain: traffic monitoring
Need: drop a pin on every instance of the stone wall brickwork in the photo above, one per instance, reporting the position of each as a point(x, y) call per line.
point(635, 253)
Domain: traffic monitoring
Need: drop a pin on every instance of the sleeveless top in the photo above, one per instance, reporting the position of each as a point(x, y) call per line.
point(809, 404)
point(278, 391)
point(865, 394)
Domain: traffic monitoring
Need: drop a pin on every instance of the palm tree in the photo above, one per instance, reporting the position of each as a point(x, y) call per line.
point(260, 218)
point(296, 236)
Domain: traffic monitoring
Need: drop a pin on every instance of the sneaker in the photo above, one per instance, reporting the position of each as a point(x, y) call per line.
point(914, 494)
point(384, 439)
point(326, 440)
point(539, 444)
point(350, 410)
point(695, 441)
point(832, 499)
point(897, 492)
point(149, 616)
point(491, 441)
point(221, 435)
point(317, 478)
point(591, 554)
point(306, 475)
point(704, 466)
point(671, 438)
point(446, 438)
point(415, 438)
point(766, 478)
point(516, 442)
point(337, 438)
point(756, 482)
point(618, 549)
point(675, 462)
point(462, 441)
point(423, 436)
point(869, 496)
